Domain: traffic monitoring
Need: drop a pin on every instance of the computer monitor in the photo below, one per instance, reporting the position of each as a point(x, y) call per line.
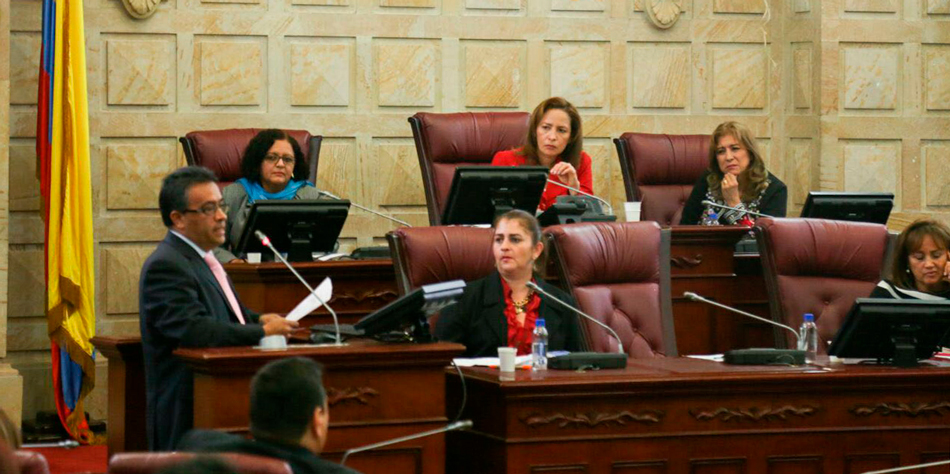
point(899, 332)
point(412, 311)
point(297, 227)
point(856, 207)
point(479, 193)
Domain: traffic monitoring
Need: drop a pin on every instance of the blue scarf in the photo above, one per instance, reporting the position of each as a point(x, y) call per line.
point(256, 192)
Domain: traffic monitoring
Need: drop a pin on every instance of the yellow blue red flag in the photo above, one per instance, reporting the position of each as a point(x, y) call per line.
point(62, 146)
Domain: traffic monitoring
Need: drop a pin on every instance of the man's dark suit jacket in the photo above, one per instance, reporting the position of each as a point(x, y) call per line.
point(181, 305)
point(478, 320)
point(300, 460)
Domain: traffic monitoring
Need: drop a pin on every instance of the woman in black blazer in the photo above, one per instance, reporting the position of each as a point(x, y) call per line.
point(500, 310)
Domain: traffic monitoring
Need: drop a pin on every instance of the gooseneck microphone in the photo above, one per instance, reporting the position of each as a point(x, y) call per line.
point(694, 297)
point(578, 191)
point(458, 425)
point(723, 206)
point(380, 214)
point(538, 289)
point(336, 323)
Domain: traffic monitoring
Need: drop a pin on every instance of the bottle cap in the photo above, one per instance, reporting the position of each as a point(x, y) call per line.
point(539, 323)
point(809, 318)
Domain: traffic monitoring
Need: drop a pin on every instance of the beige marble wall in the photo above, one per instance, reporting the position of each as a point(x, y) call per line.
point(11, 382)
point(833, 109)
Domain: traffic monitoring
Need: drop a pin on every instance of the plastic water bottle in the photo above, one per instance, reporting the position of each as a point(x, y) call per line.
point(808, 338)
point(710, 218)
point(539, 346)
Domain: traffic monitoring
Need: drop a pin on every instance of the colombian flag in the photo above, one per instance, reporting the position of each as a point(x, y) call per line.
point(62, 148)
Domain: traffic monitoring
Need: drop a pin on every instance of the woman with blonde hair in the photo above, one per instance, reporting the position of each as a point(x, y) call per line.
point(736, 178)
point(555, 140)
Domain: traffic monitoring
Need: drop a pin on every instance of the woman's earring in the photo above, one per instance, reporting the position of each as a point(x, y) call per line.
point(908, 270)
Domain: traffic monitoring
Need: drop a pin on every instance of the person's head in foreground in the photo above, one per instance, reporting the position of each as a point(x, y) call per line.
point(289, 404)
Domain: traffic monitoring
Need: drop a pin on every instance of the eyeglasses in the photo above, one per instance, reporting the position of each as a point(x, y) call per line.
point(210, 209)
point(287, 159)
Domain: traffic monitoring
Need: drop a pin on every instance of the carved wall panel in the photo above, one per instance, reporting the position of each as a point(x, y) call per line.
point(936, 160)
point(739, 77)
point(871, 77)
point(120, 267)
point(27, 265)
point(321, 71)
point(407, 73)
point(579, 73)
point(140, 71)
point(936, 77)
point(871, 6)
point(495, 73)
point(872, 166)
point(231, 70)
point(496, 5)
point(24, 187)
point(938, 7)
point(739, 6)
point(801, 77)
point(24, 66)
point(579, 5)
point(800, 172)
point(134, 171)
point(660, 75)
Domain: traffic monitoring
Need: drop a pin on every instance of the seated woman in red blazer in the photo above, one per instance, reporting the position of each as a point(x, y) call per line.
point(554, 140)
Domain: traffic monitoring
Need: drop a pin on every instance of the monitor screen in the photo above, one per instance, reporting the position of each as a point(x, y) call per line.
point(413, 310)
point(856, 207)
point(876, 327)
point(479, 193)
point(297, 227)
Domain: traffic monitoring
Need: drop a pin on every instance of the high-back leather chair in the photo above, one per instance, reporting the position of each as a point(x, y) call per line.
point(221, 150)
point(426, 255)
point(660, 171)
point(148, 463)
point(818, 266)
point(447, 141)
point(30, 462)
point(619, 273)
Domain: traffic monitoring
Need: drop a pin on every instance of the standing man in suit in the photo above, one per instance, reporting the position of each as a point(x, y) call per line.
point(186, 300)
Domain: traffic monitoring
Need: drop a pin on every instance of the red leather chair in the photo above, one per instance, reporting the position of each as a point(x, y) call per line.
point(447, 141)
point(148, 463)
point(30, 462)
point(818, 266)
point(619, 273)
point(221, 150)
point(425, 255)
point(660, 170)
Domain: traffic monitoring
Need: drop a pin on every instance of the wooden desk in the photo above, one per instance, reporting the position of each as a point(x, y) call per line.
point(359, 287)
point(691, 416)
point(126, 405)
point(375, 391)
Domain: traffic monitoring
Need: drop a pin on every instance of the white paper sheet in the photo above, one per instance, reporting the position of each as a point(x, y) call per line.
point(310, 303)
point(489, 361)
point(709, 357)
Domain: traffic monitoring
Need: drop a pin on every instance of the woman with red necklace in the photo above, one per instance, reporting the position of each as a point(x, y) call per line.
point(500, 310)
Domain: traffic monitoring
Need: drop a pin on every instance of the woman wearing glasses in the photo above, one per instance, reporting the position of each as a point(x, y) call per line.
point(273, 167)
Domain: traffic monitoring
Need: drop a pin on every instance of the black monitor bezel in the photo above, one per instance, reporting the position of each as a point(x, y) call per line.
point(470, 203)
point(870, 325)
point(821, 204)
point(412, 310)
point(324, 240)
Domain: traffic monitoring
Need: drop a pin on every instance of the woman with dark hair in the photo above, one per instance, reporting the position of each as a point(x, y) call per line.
point(500, 310)
point(736, 178)
point(920, 268)
point(554, 140)
point(273, 167)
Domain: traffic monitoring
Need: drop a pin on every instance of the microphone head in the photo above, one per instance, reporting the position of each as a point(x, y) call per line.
point(691, 296)
point(532, 285)
point(707, 202)
point(461, 425)
point(263, 238)
point(330, 195)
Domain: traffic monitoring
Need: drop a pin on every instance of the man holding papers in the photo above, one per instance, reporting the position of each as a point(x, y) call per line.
point(186, 300)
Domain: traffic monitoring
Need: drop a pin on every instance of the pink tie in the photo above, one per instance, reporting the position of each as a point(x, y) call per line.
point(222, 278)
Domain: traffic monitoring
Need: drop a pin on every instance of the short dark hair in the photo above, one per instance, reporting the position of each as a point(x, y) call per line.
point(175, 186)
point(201, 465)
point(284, 395)
point(257, 149)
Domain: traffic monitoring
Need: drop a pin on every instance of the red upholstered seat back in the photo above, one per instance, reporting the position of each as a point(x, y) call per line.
point(447, 141)
point(148, 463)
point(818, 266)
point(660, 170)
point(30, 462)
point(221, 150)
point(426, 255)
point(619, 273)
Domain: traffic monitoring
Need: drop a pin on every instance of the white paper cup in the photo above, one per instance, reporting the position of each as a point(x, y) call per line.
point(253, 257)
point(506, 359)
point(632, 211)
point(276, 341)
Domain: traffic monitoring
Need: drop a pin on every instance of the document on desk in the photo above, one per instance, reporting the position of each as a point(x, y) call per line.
point(709, 357)
point(494, 362)
point(310, 303)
